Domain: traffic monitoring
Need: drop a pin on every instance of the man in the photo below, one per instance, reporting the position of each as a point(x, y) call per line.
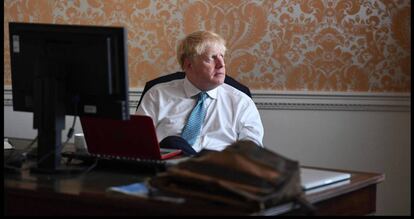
point(201, 108)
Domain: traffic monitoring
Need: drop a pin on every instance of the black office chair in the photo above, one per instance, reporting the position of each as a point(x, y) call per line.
point(180, 75)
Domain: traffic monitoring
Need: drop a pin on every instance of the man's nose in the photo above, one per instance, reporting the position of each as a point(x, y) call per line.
point(219, 62)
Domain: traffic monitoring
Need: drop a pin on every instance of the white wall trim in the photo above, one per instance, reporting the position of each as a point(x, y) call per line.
point(333, 101)
point(291, 100)
point(8, 99)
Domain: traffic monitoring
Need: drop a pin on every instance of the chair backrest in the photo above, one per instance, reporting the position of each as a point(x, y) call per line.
point(180, 75)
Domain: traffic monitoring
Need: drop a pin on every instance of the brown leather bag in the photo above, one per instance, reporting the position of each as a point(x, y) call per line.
point(243, 175)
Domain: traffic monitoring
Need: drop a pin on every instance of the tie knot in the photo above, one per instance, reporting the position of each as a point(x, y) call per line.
point(202, 96)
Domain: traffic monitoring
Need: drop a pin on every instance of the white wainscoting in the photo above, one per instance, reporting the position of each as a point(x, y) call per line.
point(357, 131)
point(373, 141)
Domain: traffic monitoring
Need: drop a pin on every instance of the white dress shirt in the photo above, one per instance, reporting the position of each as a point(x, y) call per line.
point(231, 114)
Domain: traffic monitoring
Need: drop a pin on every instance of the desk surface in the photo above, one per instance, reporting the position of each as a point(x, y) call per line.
point(85, 194)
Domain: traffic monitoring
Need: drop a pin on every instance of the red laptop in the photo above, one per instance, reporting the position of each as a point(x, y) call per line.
point(130, 139)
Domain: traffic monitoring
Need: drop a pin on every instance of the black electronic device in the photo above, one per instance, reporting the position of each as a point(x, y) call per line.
point(59, 70)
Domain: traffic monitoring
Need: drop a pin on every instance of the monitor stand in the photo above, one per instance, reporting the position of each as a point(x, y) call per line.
point(49, 120)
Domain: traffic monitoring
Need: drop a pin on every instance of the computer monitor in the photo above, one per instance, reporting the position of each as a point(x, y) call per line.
point(59, 70)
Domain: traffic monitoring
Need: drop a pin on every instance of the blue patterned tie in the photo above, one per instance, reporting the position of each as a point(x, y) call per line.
point(196, 118)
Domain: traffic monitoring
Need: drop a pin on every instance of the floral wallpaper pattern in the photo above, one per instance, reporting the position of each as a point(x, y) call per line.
point(295, 45)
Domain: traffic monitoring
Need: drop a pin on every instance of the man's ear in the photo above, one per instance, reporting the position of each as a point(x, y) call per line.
point(187, 64)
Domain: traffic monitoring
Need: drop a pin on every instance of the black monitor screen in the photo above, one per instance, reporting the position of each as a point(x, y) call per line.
point(59, 70)
point(88, 61)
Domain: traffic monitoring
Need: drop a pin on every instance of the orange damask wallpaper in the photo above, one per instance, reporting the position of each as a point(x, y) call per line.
point(284, 45)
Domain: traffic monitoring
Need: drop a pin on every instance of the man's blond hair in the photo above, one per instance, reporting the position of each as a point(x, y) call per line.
point(196, 43)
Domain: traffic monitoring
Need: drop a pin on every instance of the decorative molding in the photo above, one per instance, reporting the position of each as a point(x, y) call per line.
point(399, 102)
point(134, 96)
point(8, 99)
point(333, 101)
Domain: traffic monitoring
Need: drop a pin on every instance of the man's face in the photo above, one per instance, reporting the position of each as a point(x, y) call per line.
point(207, 71)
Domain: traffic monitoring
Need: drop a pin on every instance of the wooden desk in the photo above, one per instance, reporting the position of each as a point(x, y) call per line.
point(356, 196)
point(42, 194)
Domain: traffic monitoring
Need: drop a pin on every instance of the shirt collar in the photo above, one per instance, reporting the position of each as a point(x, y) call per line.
point(190, 90)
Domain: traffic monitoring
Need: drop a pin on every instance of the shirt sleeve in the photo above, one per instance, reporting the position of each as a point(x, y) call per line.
point(251, 124)
point(148, 107)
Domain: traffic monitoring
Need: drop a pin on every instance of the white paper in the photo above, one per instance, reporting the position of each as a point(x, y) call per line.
point(7, 145)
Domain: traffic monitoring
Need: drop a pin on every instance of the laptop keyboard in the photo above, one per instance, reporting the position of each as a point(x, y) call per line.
point(117, 163)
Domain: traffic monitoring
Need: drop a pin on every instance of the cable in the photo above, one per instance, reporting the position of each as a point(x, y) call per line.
point(88, 169)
